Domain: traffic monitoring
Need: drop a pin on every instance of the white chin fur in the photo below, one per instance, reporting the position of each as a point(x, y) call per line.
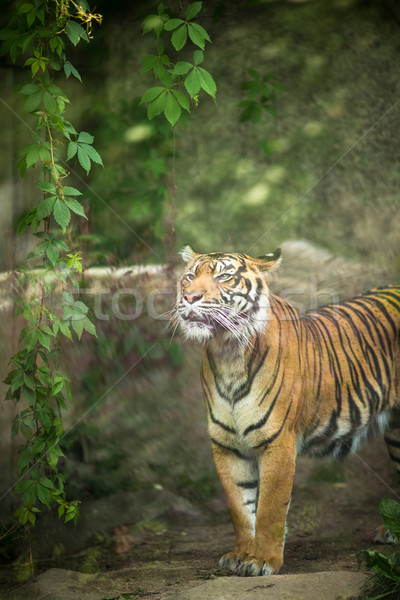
point(198, 332)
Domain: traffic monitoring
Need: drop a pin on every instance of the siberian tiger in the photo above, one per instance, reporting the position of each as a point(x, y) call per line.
point(276, 384)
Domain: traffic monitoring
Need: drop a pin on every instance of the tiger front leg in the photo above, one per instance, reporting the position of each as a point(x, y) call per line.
point(276, 468)
point(258, 495)
point(239, 477)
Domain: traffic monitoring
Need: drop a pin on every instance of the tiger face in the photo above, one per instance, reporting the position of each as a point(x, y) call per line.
point(224, 292)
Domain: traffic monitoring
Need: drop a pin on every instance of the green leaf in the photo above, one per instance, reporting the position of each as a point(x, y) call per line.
point(61, 214)
point(25, 8)
point(89, 326)
point(157, 106)
point(72, 150)
point(85, 137)
point(172, 110)
point(31, 338)
point(43, 495)
point(46, 329)
point(70, 70)
point(65, 330)
point(52, 456)
point(80, 307)
point(38, 444)
point(192, 83)
point(30, 88)
point(22, 486)
point(179, 37)
point(49, 102)
point(390, 511)
point(173, 24)
point(84, 160)
point(45, 207)
point(29, 381)
point(44, 154)
point(44, 418)
point(52, 254)
point(33, 156)
point(57, 386)
point(77, 326)
point(29, 394)
point(166, 78)
point(71, 191)
point(24, 459)
point(182, 99)
point(29, 495)
point(30, 17)
point(251, 113)
point(47, 483)
point(151, 94)
point(149, 62)
point(198, 35)
point(44, 340)
point(91, 153)
point(75, 32)
point(155, 22)
point(45, 186)
point(32, 102)
point(207, 82)
point(198, 57)
point(182, 67)
point(75, 206)
point(15, 428)
point(192, 10)
point(17, 381)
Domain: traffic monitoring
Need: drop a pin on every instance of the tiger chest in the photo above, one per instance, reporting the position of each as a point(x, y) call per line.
point(235, 416)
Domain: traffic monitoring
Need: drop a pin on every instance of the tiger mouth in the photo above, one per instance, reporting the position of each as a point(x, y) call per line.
point(198, 319)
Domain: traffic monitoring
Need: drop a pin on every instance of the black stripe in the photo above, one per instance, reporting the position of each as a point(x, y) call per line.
point(391, 298)
point(265, 418)
point(394, 458)
point(207, 395)
point(277, 365)
point(248, 485)
point(395, 443)
point(383, 309)
point(275, 435)
point(376, 323)
point(233, 450)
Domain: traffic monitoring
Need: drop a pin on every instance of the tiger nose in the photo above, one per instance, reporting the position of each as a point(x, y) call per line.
point(192, 297)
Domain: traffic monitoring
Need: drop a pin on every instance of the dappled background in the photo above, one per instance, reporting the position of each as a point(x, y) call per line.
point(318, 174)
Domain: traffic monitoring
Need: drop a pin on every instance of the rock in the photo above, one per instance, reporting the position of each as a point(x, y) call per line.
point(59, 584)
point(329, 585)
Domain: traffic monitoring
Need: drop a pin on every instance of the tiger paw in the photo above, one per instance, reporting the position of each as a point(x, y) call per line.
point(246, 565)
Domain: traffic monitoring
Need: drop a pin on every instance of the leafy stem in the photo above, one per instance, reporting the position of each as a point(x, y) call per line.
point(35, 376)
point(168, 98)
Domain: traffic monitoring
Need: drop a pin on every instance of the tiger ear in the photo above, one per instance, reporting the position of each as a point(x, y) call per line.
point(269, 262)
point(188, 254)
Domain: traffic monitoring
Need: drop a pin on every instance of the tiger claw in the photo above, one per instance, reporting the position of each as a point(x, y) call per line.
point(245, 566)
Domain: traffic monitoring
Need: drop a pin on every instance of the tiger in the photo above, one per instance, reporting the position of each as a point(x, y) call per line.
point(277, 384)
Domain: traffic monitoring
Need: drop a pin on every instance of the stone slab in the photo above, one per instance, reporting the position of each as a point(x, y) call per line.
point(331, 585)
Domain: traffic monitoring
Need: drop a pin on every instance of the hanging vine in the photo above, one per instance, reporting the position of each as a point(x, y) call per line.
point(36, 37)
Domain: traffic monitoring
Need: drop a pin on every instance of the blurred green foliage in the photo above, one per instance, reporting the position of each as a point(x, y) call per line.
point(128, 199)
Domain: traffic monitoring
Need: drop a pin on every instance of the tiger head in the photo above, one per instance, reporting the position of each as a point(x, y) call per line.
point(224, 292)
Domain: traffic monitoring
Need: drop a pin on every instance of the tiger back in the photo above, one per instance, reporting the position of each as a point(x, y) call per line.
point(276, 384)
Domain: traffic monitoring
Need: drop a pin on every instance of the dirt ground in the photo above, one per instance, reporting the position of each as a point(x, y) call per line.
point(333, 515)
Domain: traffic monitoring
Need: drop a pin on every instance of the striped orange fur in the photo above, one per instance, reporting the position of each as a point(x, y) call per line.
point(277, 384)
